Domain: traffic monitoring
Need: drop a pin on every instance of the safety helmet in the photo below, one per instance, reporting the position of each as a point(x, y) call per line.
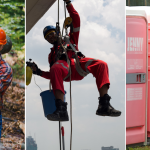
point(48, 28)
point(3, 39)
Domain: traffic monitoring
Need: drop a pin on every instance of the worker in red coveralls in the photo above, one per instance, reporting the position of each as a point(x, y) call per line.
point(59, 70)
point(5, 73)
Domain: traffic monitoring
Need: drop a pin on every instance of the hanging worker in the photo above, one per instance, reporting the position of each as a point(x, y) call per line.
point(5, 72)
point(59, 70)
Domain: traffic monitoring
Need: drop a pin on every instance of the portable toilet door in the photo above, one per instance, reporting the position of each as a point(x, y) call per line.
point(136, 75)
point(148, 106)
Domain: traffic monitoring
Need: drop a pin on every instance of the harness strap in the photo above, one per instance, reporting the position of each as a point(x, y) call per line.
point(68, 61)
point(76, 60)
point(88, 63)
point(78, 67)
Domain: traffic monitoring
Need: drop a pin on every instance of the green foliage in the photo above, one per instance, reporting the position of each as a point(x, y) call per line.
point(12, 20)
point(138, 2)
point(18, 69)
point(130, 148)
point(139, 148)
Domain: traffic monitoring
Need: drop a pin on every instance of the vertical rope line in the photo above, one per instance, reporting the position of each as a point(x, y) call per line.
point(70, 112)
point(58, 11)
point(70, 90)
point(59, 135)
point(65, 9)
point(65, 17)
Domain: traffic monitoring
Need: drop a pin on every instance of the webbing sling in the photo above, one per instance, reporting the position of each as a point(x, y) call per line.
point(76, 60)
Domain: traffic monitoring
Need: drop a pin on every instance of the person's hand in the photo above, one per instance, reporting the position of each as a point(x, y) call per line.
point(67, 2)
point(35, 69)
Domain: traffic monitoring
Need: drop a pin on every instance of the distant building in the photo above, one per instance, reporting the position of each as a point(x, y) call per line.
point(109, 148)
point(30, 143)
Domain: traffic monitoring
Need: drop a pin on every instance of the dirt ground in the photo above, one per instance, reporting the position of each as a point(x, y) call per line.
point(13, 117)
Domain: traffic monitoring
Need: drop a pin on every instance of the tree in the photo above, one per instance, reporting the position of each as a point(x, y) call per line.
point(137, 2)
point(12, 20)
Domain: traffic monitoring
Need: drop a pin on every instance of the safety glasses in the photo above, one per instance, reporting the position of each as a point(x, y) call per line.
point(50, 35)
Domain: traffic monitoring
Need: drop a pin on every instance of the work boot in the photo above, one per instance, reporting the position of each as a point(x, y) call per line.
point(105, 109)
point(60, 114)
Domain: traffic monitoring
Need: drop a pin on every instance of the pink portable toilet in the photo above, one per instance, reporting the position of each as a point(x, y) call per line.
point(148, 108)
point(136, 75)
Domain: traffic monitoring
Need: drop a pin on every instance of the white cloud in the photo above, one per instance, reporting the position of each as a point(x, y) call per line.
point(111, 13)
point(115, 15)
point(50, 20)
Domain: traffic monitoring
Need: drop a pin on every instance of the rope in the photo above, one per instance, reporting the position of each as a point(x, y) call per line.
point(70, 77)
point(36, 84)
point(65, 17)
point(70, 113)
point(70, 96)
point(58, 10)
point(65, 9)
point(59, 135)
point(70, 91)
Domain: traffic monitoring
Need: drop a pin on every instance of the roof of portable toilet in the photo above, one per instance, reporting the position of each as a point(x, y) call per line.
point(136, 11)
point(35, 9)
point(147, 9)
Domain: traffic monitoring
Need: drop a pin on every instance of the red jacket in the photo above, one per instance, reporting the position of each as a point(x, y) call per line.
point(73, 37)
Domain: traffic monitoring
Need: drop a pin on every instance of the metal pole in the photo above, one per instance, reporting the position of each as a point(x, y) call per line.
point(60, 135)
point(58, 10)
point(63, 139)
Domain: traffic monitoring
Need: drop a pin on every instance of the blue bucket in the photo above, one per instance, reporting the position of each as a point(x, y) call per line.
point(48, 100)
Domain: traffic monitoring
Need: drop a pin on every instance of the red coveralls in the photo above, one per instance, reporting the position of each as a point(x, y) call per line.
point(60, 69)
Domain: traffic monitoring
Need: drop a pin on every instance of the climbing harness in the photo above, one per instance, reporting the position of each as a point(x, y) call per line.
point(76, 59)
point(66, 40)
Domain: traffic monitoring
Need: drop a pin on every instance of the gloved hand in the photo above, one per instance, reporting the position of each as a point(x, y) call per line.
point(35, 69)
point(67, 1)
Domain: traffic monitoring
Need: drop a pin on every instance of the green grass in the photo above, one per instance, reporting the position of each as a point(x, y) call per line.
point(139, 148)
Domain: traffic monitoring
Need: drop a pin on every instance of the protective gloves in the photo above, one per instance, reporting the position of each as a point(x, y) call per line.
point(67, 1)
point(35, 69)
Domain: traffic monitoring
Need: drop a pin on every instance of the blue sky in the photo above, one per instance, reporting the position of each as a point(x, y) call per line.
point(102, 36)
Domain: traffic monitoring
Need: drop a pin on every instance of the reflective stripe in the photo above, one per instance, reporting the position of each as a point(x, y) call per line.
point(63, 65)
point(76, 29)
point(78, 67)
point(87, 64)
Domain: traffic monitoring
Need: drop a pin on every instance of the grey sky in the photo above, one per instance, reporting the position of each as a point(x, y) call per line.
point(101, 37)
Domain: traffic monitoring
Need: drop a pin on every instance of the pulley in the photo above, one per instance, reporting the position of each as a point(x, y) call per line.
point(68, 23)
